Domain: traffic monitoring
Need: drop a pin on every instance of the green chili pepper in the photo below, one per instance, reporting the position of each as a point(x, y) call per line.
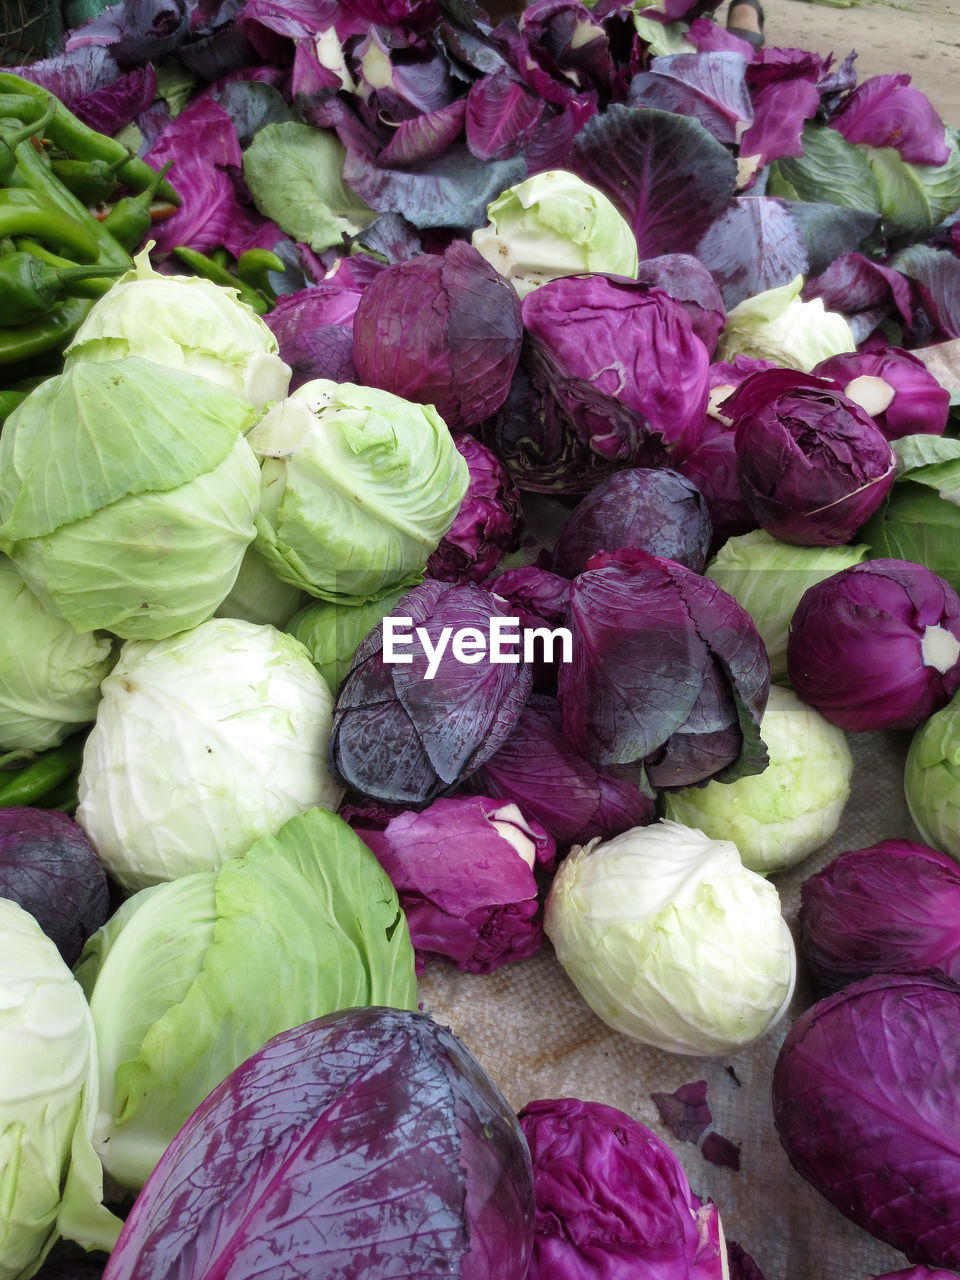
point(27, 213)
point(254, 267)
point(70, 134)
point(33, 174)
point(10, 397)
point(130, 218)
point(210, 270)
point(13, 131)
point(22, 344)
point(95, 287)
point(29, 288)
point(91, 181)
point(39, 778)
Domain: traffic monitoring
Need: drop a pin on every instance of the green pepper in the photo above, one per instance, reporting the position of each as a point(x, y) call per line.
point(29, 288)
point(98, 284)
point(70, 134)
point(23, 344)
point(254, 267)
point(210, 270)
point(47, 770)
point(130, 218)
point(28, 213)
point(91, 181)
point(10, 397)
point(13, 131)
point(33, 174)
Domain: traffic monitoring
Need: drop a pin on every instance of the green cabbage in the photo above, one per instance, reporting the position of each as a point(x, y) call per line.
point(190, 978)
point(358, 486)
point(777, 325)
point(128, 495)
point(51, 1182)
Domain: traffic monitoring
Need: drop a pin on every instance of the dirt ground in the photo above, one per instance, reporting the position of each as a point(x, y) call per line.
point(920, 37)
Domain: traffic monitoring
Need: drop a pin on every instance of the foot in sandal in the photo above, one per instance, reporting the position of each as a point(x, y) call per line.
point(745, 19)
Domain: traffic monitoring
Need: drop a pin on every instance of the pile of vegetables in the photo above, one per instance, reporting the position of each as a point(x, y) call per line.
point(464, 486)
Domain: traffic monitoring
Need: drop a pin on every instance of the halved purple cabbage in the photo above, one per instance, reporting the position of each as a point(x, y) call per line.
point(894, 386)
point(488, 523)
point(365, 1144)
point(402, 738)
point(465, 869)
point(612, 1199)
point(812, 465)
point(441, 329)
point(669, 674)
point(629, 345)
point(877, 645)
point(891, 908)
point(539, 769)
point(658, 510)
point(49, 867)
point(866, 1105)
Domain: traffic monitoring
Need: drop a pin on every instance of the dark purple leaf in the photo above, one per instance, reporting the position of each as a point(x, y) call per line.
point(289, 1165)
point(665, 173)
point(753, 246)
point(540, 771)
point(424, 137)
point(740, 1264)
point(400, 737)
point(707, 86)
point(937, 272)
point(721, 1151)
point(829, 231)
point(865, 1103)
point(73, 77)
point(49, 867)
point(685, 1112)
point(577, 45)
point(668, 672)
point(501, 114)
point(780, 110)
point(711, 37)
point(112, 107)
point(853, 284)
point(137, 31)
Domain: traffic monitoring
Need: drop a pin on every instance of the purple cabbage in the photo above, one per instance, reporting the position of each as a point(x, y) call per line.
point(669, 674)
point(899, 392)
point(629, 345)
point(539, 770)
point(718, 1150)
point(441, 329)
point(465, 869)
point(612, 1199)
point(812, 465)
point(877, 645)
point(314, 329)
point(688, 282)
point(658, 510)
point(866, 1105)
point(740, 1263)
point(403, 736)
point(918, 1273)
point(711, 464)
point(488, 523)
point(49, 867)
point(367, 1143)
point(891, 908)
point(708, 86)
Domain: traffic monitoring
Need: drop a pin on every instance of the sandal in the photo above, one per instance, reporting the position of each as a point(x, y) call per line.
point(752, 37)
